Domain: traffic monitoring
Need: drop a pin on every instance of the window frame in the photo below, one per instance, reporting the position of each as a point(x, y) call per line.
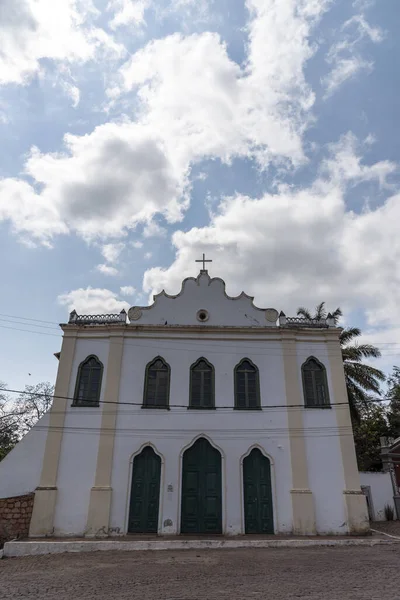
point(212, 407)
point(258, 394)
point(146, 380)
point(87, 403)
point(327, 404)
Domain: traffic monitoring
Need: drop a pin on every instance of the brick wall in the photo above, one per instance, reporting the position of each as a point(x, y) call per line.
point(15, 516)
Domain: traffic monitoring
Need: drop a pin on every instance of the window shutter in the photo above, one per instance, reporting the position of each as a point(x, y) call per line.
point(201, 385)
point(310, 399)
point(246, 385)
point(156, 384)
point(320, 387)
point(88, 385)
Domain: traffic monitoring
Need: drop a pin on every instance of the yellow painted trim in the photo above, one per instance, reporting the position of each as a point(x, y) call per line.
point(42, 521)
point(355, 501)
point(302, 499)
point(101, 493)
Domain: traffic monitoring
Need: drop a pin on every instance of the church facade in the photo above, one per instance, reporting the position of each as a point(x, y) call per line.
point(199, 414)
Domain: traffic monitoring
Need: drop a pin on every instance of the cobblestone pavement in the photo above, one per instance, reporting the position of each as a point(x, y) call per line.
point(366, 573)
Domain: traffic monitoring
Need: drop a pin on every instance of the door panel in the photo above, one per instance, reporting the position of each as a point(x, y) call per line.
point(201, 489)
point(258, 513)
point(145, 492)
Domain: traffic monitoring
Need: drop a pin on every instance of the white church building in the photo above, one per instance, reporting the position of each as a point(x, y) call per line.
point(199, 414)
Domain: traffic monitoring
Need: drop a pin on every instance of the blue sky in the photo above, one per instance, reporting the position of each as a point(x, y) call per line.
point(137, 135)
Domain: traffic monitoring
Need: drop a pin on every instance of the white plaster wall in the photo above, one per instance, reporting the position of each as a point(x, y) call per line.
point(20, 470)
point(79, 446)
point(323, 450)
point(233, 432)
point(171, 431)
point(381, 490)
point(208, 294)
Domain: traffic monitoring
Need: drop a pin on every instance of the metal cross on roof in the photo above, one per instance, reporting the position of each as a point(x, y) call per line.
point(204, 261)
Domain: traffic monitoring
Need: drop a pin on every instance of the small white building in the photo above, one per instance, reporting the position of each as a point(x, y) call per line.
point(199, 414)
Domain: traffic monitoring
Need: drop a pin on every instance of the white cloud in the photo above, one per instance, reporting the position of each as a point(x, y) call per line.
point(92, 301)
point(148, 255)
point(127, 290)
point(61, 30)
point(72, 91)
point(196, 103)
point(204, 104)
point(107, 270)
point(344, 55)
point(301, 245)
point(105, 182)
point(127, 12)
point(137, 244)
point(344, 69)
point(111, 252)
point(153, 229)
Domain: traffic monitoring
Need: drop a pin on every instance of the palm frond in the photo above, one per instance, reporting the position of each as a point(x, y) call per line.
point(304, 312)
point(364, 376)
point(358, 352)
point(337, 314)
point(320, 311)
point(349, 334)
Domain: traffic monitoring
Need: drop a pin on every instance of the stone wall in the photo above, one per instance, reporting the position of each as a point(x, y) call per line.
point(15, 516)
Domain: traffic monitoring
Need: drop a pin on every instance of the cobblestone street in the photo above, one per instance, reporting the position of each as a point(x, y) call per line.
point(366, 573)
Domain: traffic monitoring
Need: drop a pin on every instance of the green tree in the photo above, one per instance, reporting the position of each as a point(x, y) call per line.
point(361, 379)
point(368, 429)
point(393, 397)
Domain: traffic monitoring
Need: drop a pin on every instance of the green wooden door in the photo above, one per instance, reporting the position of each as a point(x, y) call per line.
point(258, 515)
point(145, 492)
point(201, 489)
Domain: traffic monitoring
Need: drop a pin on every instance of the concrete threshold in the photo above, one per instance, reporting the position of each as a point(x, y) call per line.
point(46, 546)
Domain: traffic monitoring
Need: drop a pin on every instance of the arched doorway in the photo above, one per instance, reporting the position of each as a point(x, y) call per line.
point(258, 512)
point(201, 489)
point(145, 492)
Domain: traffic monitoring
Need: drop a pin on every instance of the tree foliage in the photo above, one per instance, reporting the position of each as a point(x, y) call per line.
point(18, 416)
point(393, 398)
point(368, 429)
point(361, 379)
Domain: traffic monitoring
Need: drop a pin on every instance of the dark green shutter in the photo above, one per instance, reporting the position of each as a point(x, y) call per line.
point(202, 385)
point(310, 399)
point(201, 510)
point(145, 492)
point(258, 510)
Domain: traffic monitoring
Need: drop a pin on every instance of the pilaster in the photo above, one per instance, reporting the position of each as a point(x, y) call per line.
point(302, 498)
point(42, 521)
point(101, 493)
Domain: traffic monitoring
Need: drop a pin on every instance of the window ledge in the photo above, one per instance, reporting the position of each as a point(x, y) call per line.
point(318, 406)
point(155, 407)
point(85, 404)
point(201, 407)
point(247, 408)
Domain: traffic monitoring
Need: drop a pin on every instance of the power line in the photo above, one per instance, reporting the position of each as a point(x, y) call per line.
point(32, 324)
point(117, 403)
point(28, 319)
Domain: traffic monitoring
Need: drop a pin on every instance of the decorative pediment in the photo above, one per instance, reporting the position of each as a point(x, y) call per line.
point(203, 301)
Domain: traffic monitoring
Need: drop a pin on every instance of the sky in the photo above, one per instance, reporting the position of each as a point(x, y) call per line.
point(138, 134)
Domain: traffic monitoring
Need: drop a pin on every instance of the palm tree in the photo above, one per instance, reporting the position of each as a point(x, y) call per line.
point(361, 379)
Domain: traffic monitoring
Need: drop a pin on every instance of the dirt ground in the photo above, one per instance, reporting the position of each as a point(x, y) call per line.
point(391, 527)
point(366, 573)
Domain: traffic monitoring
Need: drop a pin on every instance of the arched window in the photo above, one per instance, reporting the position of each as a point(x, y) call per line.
point(247, 386)
point(156, 384)
point(201, 384)
point(315, 385)
point(88, 382)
